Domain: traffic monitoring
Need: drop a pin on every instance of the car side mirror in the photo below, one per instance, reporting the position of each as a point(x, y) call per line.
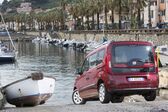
point(79, 71)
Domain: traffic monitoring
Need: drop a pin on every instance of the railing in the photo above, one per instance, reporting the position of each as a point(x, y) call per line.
point(135, 31)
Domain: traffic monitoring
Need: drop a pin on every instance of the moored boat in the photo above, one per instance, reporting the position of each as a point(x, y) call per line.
point(30, 91)
point(6, 56)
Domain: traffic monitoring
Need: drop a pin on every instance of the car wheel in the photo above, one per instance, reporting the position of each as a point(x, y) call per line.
point(77, 99)
point(151, 96)
point(104, 96)
point(117, 99)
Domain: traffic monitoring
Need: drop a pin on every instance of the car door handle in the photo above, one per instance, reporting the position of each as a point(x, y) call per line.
point(87, 78)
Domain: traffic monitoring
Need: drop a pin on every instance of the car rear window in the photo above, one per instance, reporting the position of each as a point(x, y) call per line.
point(126, 56)
point(125, 53)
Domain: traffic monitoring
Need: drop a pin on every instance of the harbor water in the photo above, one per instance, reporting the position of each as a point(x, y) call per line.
point(51, 60)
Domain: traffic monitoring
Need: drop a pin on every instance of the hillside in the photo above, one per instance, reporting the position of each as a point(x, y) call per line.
point(45, 4)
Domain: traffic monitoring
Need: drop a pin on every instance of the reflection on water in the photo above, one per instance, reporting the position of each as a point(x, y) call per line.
point(51, 60)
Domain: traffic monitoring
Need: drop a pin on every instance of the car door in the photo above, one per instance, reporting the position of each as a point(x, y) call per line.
point(95, 69)
point(82, 80)
point(91, 75)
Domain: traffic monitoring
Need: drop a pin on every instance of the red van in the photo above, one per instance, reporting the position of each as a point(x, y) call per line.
point(115, 70)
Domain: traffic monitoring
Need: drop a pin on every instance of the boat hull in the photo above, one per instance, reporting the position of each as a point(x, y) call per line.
point(7, 57)
point(27, 101)
point(7, 60)
point(29, 92)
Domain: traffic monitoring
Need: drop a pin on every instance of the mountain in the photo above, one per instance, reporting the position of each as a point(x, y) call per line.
point(44, 4)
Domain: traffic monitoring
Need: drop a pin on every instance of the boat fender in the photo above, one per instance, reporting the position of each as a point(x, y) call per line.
point(37, 76)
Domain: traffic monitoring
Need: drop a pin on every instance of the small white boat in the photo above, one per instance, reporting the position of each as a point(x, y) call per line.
point(6, 56)
point(30, 91)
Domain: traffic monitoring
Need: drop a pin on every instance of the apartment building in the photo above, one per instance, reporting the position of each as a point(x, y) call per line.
point(24, 8)
point(158, 12)
point(163, 17)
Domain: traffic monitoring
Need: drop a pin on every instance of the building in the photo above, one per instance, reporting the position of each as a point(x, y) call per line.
point(163, 11)
point(24, 8)
point(38, 10)
point(158, 12)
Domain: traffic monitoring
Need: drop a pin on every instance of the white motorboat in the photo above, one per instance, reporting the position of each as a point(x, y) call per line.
point(6, 55)
point(30, 91)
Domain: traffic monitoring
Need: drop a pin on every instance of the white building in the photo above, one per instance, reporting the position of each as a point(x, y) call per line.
point(159, 12)
point(24, 8)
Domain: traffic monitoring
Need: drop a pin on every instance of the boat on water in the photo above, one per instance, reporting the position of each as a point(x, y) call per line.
point(6, 55)
point(30, 91)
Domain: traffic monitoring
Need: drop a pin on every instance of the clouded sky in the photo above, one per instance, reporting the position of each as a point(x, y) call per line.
point(1, 1)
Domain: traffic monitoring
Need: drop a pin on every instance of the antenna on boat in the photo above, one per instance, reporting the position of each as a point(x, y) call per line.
point(3, 21)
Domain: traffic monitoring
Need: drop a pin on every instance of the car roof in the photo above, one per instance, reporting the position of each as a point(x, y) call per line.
point(105, 45)
point(132, 42)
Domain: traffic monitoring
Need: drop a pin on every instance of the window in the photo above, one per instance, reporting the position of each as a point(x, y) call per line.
point(156, 3)
point(152, 14)
point(125, 53)
point(92, 60)
point(132, 55)
point(85, 65)
point(100, 56)
point(162, 13)
point(162, 1)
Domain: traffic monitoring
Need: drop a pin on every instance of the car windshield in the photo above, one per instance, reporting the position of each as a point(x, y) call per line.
point(132, 53)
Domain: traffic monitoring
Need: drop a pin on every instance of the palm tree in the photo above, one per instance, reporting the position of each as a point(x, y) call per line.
point(140, 5)
point(118, 7)
point(63, 5)
point(75, 12)
point(137, 6)
point(98, 9)
point(112, 7)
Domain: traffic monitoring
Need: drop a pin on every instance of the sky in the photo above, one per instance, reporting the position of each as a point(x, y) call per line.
point(1, 1)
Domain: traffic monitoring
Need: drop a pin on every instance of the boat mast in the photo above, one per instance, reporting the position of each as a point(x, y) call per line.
point(7, 31)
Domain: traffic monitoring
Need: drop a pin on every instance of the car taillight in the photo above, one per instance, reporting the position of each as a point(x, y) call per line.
point(108, 63)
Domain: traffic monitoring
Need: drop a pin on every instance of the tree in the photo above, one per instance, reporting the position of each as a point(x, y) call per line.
point(140, 5)
point(98, 9)
point(4, 5)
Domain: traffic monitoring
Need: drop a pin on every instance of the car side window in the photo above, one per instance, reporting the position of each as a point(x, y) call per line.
point(92, 60)
point(100, 56)
point(85, 65)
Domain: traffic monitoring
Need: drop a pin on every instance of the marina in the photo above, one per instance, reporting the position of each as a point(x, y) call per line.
point(50, 60)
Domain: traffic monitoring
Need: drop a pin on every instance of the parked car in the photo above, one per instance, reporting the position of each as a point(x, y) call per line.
point(115, 70)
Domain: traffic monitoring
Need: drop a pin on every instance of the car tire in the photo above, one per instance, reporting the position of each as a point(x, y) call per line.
point(151, 96)
point(104, 95)
point(77, 100)
point(117, 99)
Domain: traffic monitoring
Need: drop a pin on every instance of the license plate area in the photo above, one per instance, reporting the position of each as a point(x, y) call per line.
point(133, 79)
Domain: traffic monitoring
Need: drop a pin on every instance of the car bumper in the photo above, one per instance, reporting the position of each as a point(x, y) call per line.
point(132, 91)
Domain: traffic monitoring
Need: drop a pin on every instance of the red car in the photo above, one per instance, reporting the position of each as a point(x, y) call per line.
point(115, 70)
